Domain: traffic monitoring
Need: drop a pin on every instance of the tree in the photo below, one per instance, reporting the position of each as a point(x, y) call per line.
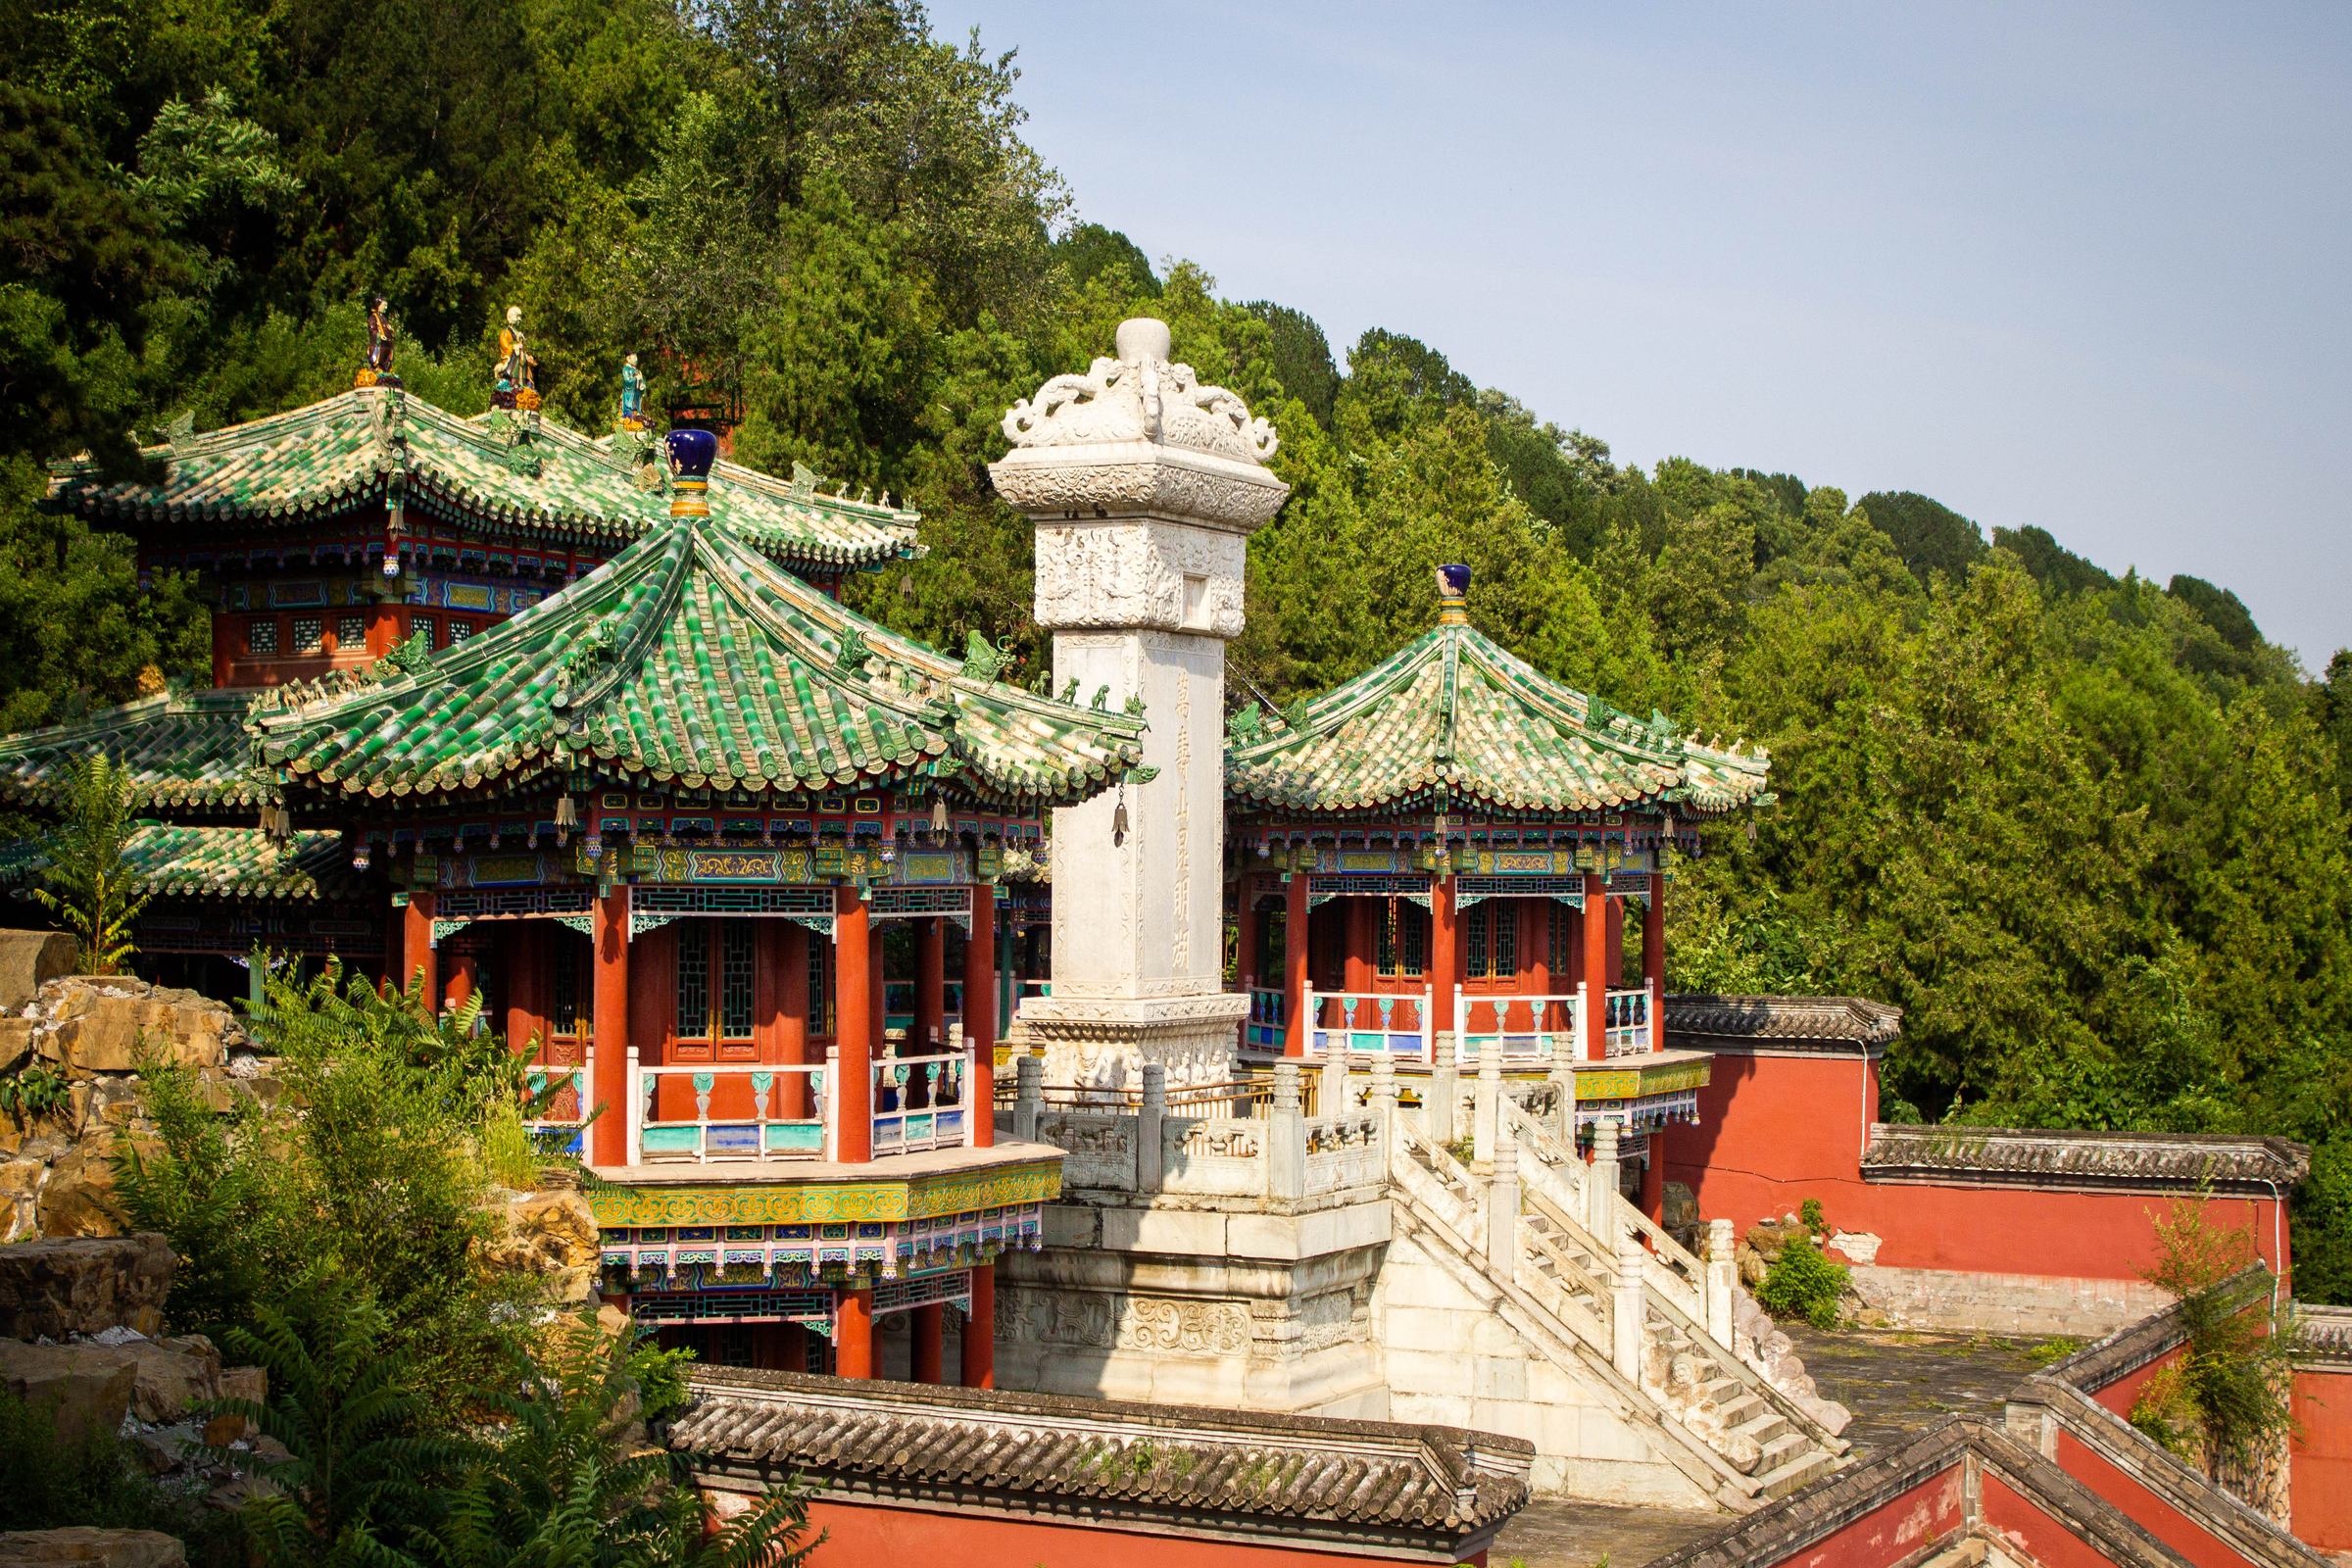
point(91, 883)
point(1929, 536)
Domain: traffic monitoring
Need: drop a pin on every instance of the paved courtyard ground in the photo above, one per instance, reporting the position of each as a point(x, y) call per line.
point(1894, 1384)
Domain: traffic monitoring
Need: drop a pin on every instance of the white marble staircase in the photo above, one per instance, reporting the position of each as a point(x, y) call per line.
point(1629, 1321)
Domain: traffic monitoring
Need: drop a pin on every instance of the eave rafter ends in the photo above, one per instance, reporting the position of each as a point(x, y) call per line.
point(690, 657)
point(1453, 715)
point(358, 447)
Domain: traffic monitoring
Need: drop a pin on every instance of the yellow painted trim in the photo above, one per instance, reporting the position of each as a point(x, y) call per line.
point(771, 1203)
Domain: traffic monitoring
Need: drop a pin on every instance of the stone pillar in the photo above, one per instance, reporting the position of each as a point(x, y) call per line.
point(1029, 1098)
point(1723, 1273)
point(609, 1072)
point(930, 988)
point(1298, 1027)
point(1487, 1112)
point(924, 1334)
point(1286, 1137)
point(1653, 958)
point(1597, 967)
point(1502, 1212)
point(1331, 1094)
point(980, 1331)
point(1601, 1183)
point(854, 1027)
point(1144, 488)
point(419, 964)
point(980, 1016)
point(1149, 1118)
point(1625, 1306)
point(1381, 1101)
point(853, 1334)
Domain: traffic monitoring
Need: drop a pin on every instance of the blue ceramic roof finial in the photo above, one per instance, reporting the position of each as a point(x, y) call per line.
point(1453, 587)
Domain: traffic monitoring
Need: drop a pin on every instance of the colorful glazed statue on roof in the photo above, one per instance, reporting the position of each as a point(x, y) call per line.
point(632, 395)
point(376, 367)
point(516, 389)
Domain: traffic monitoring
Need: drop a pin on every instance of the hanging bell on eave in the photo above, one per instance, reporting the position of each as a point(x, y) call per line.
point(939, 813)
point(1118, 820)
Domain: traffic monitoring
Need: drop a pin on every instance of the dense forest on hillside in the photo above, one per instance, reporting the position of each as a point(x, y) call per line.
point(2088, 830)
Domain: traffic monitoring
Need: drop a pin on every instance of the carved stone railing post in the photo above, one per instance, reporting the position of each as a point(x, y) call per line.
point(1028, 1097)
point(1331, 1094)
point(1488, 1108)
point(1381, 1101)
point(1445, 1083)
point(1286, 1137)
point(1723, 1273)
point(1563, 1079)
point(1626, 1310)
point(1502, 1210)
point(1601, 1181)
point(1148, 1123)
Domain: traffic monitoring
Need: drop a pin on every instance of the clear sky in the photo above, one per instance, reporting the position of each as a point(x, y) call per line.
point(2070, 267)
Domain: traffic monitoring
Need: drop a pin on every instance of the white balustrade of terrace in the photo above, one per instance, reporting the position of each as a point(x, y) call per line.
point(919, 1102)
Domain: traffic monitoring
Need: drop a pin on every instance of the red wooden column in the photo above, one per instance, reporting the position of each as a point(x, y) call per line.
point(854, 1026)
point(980, 1331)
point(1597, 967)
point(1653, 958)
point(1445, 954)
point(612, 1087)
point(792, 1018)
point(923, 1360)
point(1294, 966)
point(464, 975)
point(1654, 1178)
point(417, 946)
point(523, 960)
point(930, 986)
point(980, 1016)
point(854, 1328)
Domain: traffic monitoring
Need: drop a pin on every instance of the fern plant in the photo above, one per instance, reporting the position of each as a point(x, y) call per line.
point(91, 885)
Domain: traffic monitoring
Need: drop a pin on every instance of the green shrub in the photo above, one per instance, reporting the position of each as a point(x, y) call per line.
point(1802, 1283)
point(1810, 1215)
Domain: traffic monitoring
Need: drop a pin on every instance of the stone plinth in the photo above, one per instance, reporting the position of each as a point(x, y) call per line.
point(1143, 486)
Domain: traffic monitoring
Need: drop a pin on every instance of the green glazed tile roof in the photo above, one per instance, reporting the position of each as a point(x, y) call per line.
point(183, 752)
point(330, 457)
point(1454, 712)
point(690, 657)
point(216, 862)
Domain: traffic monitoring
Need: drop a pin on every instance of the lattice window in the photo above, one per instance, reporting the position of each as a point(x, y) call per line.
point(1507, 941)
point(820, 987)
point(735, 980)
point(721, 900)
point(1561, 942)
point(564, 1016)
point(351, 632)
point(426, 627)
point(260, 635)
point(459, 631)
point(1474, 944)
point(310, 634)
point(694, 985)
point(1403, 939)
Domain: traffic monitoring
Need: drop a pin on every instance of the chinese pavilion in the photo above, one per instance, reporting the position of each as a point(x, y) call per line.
point(1437, 857)
point(579, 725)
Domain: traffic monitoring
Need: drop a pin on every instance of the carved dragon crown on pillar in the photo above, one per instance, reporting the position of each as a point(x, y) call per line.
point(1155, 442)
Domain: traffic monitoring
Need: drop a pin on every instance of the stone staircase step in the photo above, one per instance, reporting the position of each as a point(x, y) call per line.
point(1782, 1450)
point(1767, 1428)
point(1802, 1471)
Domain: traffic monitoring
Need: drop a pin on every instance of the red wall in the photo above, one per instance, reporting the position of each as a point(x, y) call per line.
point(1894, 1531)
point(2123, 1392)
point(2144, 1507)
point(2034, 1533)
point(1774, 1130)
point(2322, 1460)
point(864, 1535)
